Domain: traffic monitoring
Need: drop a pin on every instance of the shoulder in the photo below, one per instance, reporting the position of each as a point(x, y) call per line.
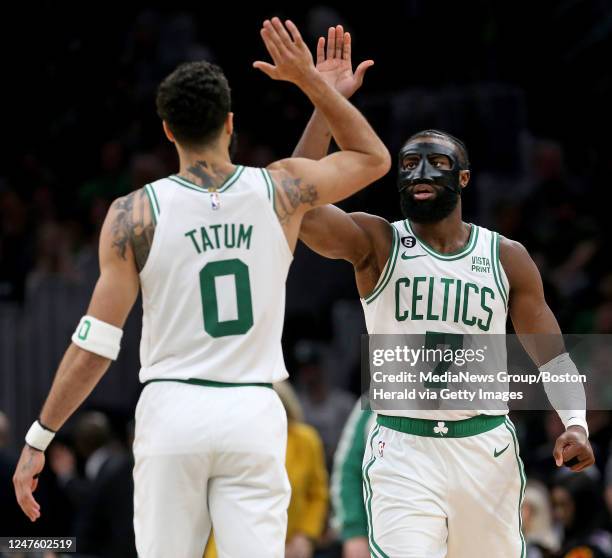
point(129, 211)
point(293, 185)
point(379, 232)
point(291, 165)
point(512, 252)
point(129, 202)
point(285, 169)
point(373, 223)
point(119, 219)
point(520, 268)
point(124, 202)
point(129, 227)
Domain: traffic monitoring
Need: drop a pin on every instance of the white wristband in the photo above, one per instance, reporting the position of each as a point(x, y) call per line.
point(38, 436)
point(568, 399)
point(98, 337)
point(578, 421)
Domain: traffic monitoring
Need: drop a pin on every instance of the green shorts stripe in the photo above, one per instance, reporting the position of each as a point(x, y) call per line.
point(512, 431)
point(375, 550)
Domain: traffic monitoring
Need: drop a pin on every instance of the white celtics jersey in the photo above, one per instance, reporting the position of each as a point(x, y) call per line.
point(213, 286)
point(422, 291)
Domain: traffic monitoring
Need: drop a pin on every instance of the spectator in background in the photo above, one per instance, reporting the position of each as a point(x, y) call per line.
point(103, 499)
point(608, 486)
point(112, 180)
point(579, 508)
point(12, 522)
point(4, 431)
point(16, 246)
point(7, 466)
point(305, 464)
point(54, 260)
point(325, 407)
point(540, 536)
point(349, 514)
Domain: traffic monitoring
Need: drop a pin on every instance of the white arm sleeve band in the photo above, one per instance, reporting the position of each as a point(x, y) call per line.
point(568, 398)
point(98, 337)
point(39, 437)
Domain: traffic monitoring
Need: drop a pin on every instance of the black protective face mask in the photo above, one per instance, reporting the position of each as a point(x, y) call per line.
point(446, 183)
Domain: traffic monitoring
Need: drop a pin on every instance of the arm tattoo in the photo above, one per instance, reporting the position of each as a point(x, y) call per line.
point(133, 224)
point(121, 224)
point(206, 176)
point(294, 193)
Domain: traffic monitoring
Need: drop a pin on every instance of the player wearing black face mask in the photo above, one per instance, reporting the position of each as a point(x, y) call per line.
point(429, 178)
point(439, 481)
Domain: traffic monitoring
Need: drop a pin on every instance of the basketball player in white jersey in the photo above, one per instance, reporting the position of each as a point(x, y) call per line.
point(209, 248)
point(438, 483)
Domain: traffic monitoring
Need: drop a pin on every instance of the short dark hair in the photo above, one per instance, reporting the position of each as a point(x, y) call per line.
point(464, 159)
point(194, 101)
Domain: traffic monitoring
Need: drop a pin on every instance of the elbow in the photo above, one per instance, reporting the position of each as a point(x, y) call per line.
point(382, 161)
point(386, 161)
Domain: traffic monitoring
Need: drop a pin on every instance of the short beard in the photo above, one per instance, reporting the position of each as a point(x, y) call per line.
point(429, 211)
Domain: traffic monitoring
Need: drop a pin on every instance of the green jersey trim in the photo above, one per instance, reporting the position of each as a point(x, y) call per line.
point(153, 203)
point(442, 428)
point(271, 189)
point(496, 268)
point(268, 191)
point(229, 181)
point(386, 276)
point(458, 254)
point(210, 383)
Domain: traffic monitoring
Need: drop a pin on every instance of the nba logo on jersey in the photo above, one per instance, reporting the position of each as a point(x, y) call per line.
point(215, 200)
point(381, 447)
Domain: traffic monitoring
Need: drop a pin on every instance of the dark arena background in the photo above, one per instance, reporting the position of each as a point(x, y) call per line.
point(527, 86)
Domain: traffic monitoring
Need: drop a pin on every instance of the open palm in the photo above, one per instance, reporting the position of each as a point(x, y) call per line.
point(334, 62)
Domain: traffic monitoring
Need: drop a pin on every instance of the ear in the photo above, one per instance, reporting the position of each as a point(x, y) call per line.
point(168, 132)
point(229, 123)
point(464, 178)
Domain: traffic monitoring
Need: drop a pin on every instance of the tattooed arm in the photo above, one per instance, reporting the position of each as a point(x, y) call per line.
point(302, 184)
point(124, 245)
point(132, 227)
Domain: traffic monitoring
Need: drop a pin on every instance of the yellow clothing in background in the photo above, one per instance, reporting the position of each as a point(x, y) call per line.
point(305, 463)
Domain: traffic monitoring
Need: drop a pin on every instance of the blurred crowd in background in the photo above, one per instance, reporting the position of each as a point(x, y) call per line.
point(529, 94)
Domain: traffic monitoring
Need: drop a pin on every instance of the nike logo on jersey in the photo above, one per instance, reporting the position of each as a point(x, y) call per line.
point(498, 453)
point(407, 257)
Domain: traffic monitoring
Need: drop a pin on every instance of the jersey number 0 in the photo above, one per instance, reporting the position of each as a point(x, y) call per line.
point(210, 297)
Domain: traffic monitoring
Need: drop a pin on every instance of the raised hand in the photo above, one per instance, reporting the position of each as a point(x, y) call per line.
point(334, 62)
point(291, 57)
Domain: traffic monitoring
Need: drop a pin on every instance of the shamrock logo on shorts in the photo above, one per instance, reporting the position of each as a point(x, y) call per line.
point(441, 429)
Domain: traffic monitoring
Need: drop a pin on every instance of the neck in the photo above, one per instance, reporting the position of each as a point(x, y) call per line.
point(445, 236)
point(206, 167)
